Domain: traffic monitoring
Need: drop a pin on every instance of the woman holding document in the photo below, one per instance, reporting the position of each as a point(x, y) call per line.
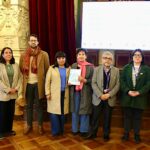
point(81, 94)
point(56, 88)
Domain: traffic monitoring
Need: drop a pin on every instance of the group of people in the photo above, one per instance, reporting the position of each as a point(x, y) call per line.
point(95, 96)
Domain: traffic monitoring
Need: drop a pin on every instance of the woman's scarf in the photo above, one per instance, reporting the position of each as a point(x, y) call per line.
point(82, 66)
point(26, 60)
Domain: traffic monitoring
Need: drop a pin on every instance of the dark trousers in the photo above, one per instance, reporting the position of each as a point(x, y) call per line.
point(6, 116)
point(106, 111)
point(132, 116)
point(57, 121)
point(33, 98)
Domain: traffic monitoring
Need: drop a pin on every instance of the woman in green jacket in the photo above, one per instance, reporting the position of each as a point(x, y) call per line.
point(135, 85)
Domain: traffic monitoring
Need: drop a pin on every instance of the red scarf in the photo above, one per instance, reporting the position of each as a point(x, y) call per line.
point(83, 72)
point(26, 60)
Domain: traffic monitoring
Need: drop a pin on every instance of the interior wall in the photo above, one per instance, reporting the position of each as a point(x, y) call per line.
point(14, 25)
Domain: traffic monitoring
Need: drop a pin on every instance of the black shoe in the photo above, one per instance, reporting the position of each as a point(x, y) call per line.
point(11, 133)
point(83, 134)
point(137, 138)
point(106, 138)
point(55, 135)
point(75, 133)
point(90, 136)
point(125, 137)
point(61, 133)
point(1, 137)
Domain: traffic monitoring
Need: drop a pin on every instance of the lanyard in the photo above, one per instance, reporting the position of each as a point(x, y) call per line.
point(107, 78)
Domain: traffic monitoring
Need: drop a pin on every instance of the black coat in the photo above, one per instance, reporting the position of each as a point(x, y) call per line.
point(142, 86)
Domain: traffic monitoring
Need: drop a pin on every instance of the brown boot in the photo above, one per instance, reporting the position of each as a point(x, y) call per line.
point(40, 130)
point(27, 130)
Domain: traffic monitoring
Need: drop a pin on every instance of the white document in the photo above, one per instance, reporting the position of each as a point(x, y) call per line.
point(73, 77)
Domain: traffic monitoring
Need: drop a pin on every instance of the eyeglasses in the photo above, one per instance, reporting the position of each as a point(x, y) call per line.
point(137, 55)
point(33, 40)
point(108, 58)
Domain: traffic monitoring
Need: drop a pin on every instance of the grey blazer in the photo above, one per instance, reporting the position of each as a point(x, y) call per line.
point(4, 83)
point(97, 85)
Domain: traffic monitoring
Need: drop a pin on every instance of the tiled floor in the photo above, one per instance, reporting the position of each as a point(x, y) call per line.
point(33, 141)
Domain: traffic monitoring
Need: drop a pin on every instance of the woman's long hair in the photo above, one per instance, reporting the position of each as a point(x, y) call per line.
point(2, 60)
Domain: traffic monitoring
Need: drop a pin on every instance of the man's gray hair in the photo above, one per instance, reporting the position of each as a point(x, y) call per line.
point(108, 53)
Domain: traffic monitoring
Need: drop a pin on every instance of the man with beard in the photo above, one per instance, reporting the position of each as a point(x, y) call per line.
point(34, 64)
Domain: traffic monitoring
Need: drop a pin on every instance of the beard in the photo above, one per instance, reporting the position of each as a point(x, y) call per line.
point(33, 46)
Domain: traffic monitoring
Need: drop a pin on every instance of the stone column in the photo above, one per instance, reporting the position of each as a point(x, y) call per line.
point(14, 25)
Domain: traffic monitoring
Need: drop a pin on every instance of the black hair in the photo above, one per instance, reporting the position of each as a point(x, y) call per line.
point(34, 35)
point(81, 49)
point(2, 60)
point(60, 54)
point(140, 51)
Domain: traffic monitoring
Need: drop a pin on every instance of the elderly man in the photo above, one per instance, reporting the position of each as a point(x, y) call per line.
point(105, 84)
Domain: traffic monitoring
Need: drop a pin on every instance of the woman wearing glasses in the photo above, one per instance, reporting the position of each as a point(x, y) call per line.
point(135, 84)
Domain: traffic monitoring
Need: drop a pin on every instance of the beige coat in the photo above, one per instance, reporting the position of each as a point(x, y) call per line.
point(42, 65)
point(53, 87)
point(4, 82)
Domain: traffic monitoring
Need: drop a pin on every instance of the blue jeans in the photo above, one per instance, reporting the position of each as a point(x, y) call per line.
point(58, 121)
point(77, 119)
